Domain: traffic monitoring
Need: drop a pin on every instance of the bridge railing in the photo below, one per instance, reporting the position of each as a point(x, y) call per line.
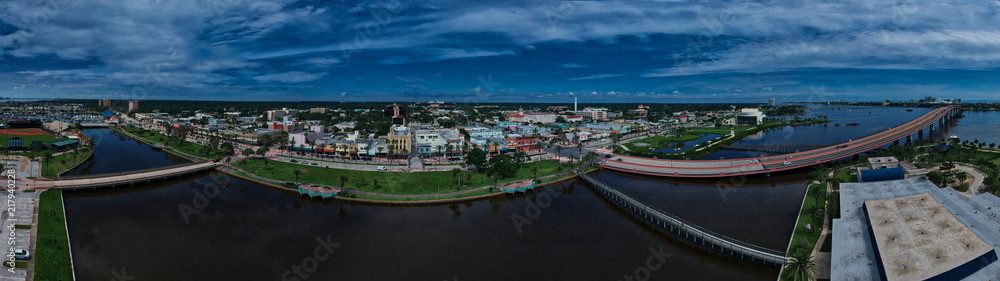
point(128, 172)
point(131, 180)
point(774, 254)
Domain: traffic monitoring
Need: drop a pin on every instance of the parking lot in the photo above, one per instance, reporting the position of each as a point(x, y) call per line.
point(24, 205)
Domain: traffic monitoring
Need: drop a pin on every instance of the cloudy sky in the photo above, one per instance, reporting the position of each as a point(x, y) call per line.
point(482, 51)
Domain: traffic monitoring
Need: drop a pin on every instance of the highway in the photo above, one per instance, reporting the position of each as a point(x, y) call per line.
point(761, 165)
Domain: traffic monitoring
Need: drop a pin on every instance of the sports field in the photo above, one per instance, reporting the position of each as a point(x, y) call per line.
point(27, 134)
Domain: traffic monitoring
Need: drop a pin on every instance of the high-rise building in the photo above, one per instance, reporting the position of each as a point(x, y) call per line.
point(133, 105)
point(770, 102)
point(275, 115)
point(104, 102)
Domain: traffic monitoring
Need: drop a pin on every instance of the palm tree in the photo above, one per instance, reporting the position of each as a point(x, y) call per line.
point(342, 180)
point(380, 149)
point(296, 172)
point(558, 150)
point(454, 174)
point(962, 177)
point(579, 148)
point(47, 157)
point(818, 192)
point(375, 184)
point(800, 266)
point(816, 213)
point(534, 171)
point(448, 147)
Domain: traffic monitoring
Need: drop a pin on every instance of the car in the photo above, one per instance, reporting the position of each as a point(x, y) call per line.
point(754, 161)
point(609, 156)
point(21, 254)
point(786, 163)
point(382, 168)
point(951, 180)
point(293, 161)
point(305, 163)
point(315, 164)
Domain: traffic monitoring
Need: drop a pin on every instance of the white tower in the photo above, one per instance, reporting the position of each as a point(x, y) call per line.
point(574, 104)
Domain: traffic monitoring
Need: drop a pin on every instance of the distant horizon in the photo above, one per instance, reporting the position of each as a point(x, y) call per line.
point(495, 102)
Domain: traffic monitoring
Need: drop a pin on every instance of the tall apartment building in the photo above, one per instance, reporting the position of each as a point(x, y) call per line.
point(133, 105)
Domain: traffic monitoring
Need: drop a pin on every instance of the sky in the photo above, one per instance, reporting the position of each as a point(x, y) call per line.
point(500, 51)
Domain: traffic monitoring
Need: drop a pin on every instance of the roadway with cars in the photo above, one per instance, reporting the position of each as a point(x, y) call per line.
point(746, 166)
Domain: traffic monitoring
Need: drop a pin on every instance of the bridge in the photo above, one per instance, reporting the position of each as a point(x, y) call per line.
point(124, 178)
point(773, 148)
point(94, 125)
point(689, 232)
point(769, 164)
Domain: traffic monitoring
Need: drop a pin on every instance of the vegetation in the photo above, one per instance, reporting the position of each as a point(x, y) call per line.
point(212, 149)
point(811, 214)
point(658, 142)
point(52, 258)
point(801, 266)
point(397, 182)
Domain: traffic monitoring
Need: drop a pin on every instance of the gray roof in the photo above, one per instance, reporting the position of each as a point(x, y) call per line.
point(852, 254)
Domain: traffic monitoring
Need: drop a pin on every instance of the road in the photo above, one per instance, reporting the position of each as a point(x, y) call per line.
point(745, 166)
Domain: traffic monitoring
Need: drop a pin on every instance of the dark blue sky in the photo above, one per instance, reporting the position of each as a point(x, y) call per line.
point(482, 51)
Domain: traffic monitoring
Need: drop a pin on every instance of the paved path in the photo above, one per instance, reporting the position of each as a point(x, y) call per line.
point(977, 179)
point(87, 182)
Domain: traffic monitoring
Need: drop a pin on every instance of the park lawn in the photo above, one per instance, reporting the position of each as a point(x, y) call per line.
point(657, 142)
point(388, 182)
point(45, 138)
point(966, 157)
point(845, 175)
point(721, 130)
point(52, 258)
point(63, 162)
point(193, 149)
point(801, 233)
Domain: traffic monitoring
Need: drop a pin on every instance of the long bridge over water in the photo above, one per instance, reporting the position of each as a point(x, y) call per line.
point(124, 178)
point(769, 164)
point(691, 233)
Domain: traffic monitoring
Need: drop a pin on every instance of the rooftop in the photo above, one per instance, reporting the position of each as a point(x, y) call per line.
point(918, 238)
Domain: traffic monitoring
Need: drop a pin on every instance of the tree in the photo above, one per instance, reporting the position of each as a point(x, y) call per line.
point(454, 175)
point(816, 213)
point(440, 150)
point(374, 184)
point(962, 177)
point(342, 179)
point(296, 172)
point(534, 172)
point(558, 150)
point(579, 148)
point(936, 177)
point(476, 158)
point(263, 150)
point(947, 166)
point(993, 145)
point(800, 266)
point(248, 152)
point(503, 166)
point(227, 148)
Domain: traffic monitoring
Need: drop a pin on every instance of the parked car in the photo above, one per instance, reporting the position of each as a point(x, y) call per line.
point(21, 254)
point(314, 164)
point(382, 168)
point(293, 161)
point(951, 180)
point(305, 163)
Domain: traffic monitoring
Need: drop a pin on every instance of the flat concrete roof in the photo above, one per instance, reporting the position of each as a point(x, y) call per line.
point(918, 238)
point(852, 255)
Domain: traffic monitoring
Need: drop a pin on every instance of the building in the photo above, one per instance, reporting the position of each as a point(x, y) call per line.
point(104, 102)
point(591, 113)
point(883, 162)
point(771, 102)
point(399, 140)
point(750, 116)
point(912, 230)
point(729, 122)
point(319, 110)
point(133, 105)
point(574, 118)
point(275, 115)
point(520, 143)
point(257, 136)
point(639, 112)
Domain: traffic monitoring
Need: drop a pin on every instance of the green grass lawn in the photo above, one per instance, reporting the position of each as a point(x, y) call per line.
point(193, 149)
point(721, 130)
point(845, 175)
point(657, 142)
point(388, 182)
point(827, 243)
point(52, 258)
point(45, 138)
point(967, 157)
point(63, 162)
point(801, 233)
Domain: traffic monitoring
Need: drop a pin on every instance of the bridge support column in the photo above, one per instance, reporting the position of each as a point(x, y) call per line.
point(932, 128)
point(896, 142)
point(909, 139)
point(920, 134)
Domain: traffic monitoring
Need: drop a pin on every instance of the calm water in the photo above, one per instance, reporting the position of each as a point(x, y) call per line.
point(982, 125)
point(249, 232)
point(117, 153)
point(578, 236)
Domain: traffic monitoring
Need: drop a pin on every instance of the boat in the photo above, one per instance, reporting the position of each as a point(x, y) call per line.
point(909, 110)
point(953, 137)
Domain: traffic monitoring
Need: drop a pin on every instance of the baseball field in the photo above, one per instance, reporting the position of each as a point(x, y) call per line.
point(27, 134)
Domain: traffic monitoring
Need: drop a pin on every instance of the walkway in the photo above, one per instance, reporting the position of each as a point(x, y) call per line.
point(691, 233)
point(126, 178)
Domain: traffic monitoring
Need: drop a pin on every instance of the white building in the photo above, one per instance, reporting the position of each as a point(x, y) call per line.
point(750, 116)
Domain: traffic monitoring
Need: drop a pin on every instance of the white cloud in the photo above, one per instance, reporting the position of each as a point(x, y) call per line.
point(572, 65)
point(289, 77)
point(598, 76)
